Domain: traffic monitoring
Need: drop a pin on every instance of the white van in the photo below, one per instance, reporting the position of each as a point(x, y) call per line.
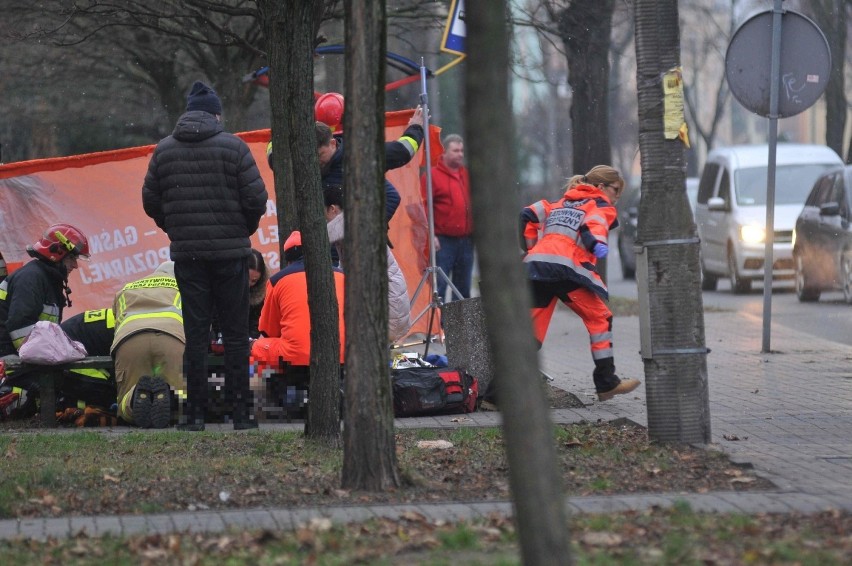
point(730, 210)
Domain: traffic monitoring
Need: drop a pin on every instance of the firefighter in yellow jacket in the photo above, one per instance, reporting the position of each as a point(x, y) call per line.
point(148, 348)
point(563, 241)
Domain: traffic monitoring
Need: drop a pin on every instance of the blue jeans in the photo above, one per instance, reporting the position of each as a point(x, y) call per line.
point(221, 285)
point(455, 258)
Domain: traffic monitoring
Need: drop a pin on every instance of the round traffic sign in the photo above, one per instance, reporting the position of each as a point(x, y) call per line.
point(805, 63)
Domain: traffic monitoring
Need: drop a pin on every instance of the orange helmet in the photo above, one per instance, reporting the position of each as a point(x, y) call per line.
point(328, 109)
point(60, 240)
point(293, 240)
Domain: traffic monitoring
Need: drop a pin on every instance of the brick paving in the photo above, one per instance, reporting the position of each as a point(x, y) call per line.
point(790, 412)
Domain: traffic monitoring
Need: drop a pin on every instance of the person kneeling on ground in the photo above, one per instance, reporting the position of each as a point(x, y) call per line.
point(285, 322)
point(148, 348)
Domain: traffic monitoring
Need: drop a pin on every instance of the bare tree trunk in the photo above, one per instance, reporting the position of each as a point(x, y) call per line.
point(585, 27)
point(676, 365)
point(369, 449)
point(831, 15)
point(291, 30)
point(540, 513)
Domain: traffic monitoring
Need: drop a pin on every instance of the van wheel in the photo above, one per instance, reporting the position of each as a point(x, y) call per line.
point(739, 285)
point(627, 272)
point(708, 280)
point(846, 273)
point(805, 291)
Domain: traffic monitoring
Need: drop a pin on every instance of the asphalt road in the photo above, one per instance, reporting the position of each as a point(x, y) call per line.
point(829, 318)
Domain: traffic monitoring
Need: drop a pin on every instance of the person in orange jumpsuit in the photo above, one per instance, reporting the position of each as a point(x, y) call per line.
point(285, 321)
point(563, 241)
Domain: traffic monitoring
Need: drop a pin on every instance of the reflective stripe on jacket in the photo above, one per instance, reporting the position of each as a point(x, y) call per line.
point(151, 303)
point(563, 235)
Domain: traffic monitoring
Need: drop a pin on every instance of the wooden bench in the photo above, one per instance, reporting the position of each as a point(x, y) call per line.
point(270, 402)
point(50, 378)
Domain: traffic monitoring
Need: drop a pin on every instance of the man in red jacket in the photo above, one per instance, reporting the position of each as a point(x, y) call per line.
point(453, 217)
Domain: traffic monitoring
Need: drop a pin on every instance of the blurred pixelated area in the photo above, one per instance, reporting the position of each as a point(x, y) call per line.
point(280, 392)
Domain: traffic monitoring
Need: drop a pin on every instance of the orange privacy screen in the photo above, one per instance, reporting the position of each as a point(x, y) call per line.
point(101, 194)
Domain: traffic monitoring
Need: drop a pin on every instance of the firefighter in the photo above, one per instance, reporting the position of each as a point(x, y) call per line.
point(563, 241)
point(37, 291)
point(81, 387)
point(148, 348)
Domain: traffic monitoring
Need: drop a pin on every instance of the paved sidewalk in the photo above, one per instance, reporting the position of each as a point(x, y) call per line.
point(790, 412)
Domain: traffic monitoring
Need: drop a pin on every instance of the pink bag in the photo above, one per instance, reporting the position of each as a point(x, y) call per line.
point(48, 344)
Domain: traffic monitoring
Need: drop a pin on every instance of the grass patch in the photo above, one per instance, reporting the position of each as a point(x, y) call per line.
point(49, 475)
point(655, 537)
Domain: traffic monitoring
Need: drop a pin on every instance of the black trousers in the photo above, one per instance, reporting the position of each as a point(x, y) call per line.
point(219, 286)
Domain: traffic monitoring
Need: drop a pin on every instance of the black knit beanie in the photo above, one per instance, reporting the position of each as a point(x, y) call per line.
point(202, 97)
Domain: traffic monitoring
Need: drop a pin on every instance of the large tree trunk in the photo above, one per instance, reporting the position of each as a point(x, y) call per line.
point(585, 27)
point(831, 15)
point(290, 29)
point(540, 513)
point(676, 360)
point(369, 449)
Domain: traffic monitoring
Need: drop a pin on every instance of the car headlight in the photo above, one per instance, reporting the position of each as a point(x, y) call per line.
point(751, 234)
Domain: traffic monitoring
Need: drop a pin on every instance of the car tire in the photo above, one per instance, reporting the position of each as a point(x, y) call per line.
point(739, 285)
point(805, 291)
point(846, 274)
point(709, 281)
point(627, 272)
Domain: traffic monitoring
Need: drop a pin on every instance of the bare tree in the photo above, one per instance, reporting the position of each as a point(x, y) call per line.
point(675, 362)
point(585, 27)
point(369, 449)
point(706, 93)
point(831, 16)
point(291, 30)
point(533, 472)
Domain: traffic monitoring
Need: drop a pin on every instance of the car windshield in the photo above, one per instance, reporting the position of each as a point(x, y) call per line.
point(792, 183)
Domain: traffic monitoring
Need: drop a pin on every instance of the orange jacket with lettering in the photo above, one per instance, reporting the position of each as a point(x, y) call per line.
point(562, 235)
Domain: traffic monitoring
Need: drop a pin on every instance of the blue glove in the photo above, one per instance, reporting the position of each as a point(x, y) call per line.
point(600, 250)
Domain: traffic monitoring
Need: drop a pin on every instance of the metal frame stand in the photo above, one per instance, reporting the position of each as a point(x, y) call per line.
point(431, 273)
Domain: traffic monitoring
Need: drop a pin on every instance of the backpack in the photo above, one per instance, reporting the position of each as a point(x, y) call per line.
point(433, 390)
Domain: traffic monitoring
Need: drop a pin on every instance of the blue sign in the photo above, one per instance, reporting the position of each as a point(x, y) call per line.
point(456, 30)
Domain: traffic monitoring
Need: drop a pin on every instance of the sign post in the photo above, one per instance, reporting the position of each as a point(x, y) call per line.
point(789, 82)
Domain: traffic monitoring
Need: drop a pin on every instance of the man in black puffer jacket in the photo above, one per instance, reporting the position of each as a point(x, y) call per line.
point(204, 190)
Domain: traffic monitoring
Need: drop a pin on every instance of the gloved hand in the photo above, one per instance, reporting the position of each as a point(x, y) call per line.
point(600, 250)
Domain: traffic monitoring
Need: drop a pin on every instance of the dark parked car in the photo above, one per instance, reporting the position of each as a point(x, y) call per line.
point(628, 218)
point(822, 239)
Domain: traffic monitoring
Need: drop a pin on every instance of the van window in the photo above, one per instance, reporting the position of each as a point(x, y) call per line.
point(708, 181)
point(792, 183)
point(725, 188)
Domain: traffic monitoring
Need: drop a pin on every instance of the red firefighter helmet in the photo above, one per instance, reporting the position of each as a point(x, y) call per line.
point(60, 240)
point(328, 109)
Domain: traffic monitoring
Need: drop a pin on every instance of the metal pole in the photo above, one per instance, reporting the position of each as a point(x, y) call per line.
point(424, 105)
point(774, 87)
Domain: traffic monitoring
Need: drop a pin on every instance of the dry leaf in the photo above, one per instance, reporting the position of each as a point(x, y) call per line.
point(413, 516)
point(602, 539)
point(113, 479)
point(434, 444)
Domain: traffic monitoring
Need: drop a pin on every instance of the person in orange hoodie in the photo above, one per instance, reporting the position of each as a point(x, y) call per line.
point(563, 241)
point(285, 321)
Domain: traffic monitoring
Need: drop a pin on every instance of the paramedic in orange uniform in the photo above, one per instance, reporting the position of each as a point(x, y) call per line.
point(563, 241)
point(285, 321)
